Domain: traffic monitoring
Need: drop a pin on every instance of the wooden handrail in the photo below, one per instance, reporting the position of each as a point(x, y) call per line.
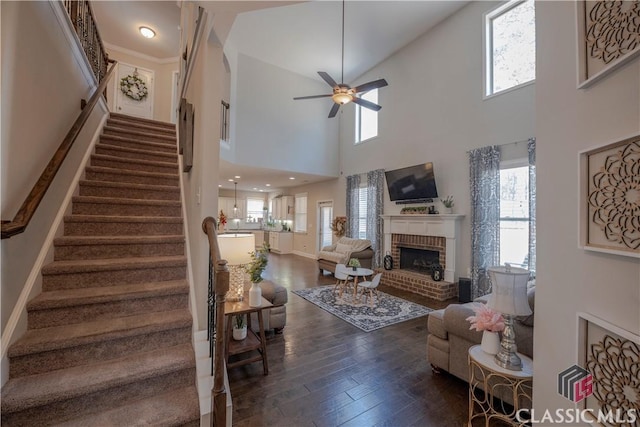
point(216, 305)
point(21, 220)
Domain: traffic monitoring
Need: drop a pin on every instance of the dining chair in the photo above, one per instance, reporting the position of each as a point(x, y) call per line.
point(371, 286)
point(343, 279)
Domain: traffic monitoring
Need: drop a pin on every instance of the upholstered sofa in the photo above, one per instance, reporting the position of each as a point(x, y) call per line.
point(274, 317)
point(343, 250)
point(450, 338)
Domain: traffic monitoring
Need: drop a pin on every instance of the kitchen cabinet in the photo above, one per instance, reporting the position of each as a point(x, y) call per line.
point(283, 208)
point(281, 242)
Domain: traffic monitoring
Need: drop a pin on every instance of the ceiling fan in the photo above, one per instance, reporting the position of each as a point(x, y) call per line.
point(343, 93)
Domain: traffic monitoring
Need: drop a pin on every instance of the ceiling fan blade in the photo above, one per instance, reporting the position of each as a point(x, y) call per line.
point(327, 78)
point(311, 97)
point(371, 85)
point(366, 104)
point(334, 110)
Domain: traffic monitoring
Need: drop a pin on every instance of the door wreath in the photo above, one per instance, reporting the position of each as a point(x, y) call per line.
point(134, 87)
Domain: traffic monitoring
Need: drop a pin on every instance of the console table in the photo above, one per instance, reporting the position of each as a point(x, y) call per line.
point(253, 341)
point(486, 379)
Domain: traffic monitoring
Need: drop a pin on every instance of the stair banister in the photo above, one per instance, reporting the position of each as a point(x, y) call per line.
point(21, 220)
point(220, 288)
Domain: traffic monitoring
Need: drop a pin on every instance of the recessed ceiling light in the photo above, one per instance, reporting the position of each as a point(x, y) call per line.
point(291, 177)
point(255, 188)
point(261, 190)
point(147, 32)
point(219, 185)
point(237, 176)
point(230, 180)
point(267, 185)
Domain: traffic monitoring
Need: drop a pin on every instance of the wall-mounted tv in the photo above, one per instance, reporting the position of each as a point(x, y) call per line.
point(412, 183)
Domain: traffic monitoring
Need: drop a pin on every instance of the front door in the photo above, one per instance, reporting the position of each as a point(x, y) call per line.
point(132, 107)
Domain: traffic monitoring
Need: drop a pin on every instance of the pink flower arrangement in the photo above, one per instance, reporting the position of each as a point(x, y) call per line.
point(486, 319)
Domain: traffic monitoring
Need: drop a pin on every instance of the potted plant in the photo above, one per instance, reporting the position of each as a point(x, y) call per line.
point(259, 260)
point(354, 263)
point(239, 327)
point(448, 204)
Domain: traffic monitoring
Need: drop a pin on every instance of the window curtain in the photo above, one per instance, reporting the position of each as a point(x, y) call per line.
point(531, 147)
point(484, 179)
point(353, 211)
point(375, 206)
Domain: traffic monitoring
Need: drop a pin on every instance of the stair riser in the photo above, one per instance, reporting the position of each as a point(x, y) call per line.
point(141, 121)
point(131, 179)
point(38, 363)
point(141, 127)
point(108, 163)
point(81, 208)
point(132, 143)
point(132, 135)
point(108, 310)
point(121, 229)
point(149, 155)
point(77, 252)
point(54, 282)
point(59, 411)
point(129, 193)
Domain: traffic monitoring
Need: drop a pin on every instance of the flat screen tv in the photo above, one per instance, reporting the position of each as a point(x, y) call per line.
point(412, 183)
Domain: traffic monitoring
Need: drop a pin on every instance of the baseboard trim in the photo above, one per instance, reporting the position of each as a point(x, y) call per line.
point(19, 314)
point(305, 254)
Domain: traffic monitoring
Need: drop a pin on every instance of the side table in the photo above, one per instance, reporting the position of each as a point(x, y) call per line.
point(488, 382)
point(253, 341)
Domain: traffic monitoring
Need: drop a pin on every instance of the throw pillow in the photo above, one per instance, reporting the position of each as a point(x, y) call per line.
point(343, 249)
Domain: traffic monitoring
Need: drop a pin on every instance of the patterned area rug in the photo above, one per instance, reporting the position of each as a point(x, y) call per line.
point(387, 311)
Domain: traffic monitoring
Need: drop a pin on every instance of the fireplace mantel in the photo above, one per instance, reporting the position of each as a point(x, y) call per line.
point(446, 225)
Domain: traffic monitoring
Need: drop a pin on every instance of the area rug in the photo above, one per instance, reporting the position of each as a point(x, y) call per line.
point(387, 310)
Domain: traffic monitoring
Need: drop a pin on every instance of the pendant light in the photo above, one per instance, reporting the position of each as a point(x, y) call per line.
point(235, 200)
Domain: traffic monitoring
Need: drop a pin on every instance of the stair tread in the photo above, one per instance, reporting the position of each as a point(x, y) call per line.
point(137, 141)
point(117, 240)
point(101, 294)
point(141, 120)
point(75, 334)
point(36, 390)
point(124, 201)
point(136, 161)
point(175, 407)
point(115, 218)
point(133, 131)
point(106, 264)
point(133, 172)
point(133, 186)
point(172, 156)
point(140, 127)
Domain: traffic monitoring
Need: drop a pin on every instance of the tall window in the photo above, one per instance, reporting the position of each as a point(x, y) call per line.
point(325, 234)
point(255, 209)
point(510, 46)
point(362, 215)
point(514, 216)
point(366, 119)
point(300, 209)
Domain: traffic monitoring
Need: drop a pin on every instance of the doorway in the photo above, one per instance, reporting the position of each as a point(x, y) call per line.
point(325, 215)
point(132, 107)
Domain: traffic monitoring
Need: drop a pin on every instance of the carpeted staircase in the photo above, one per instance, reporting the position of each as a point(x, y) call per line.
point(109, 341)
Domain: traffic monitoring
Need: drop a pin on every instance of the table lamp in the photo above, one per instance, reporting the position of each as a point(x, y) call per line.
point(509, 297)
point(236, 249)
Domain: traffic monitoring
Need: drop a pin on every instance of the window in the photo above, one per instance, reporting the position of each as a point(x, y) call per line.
point(514, 216)
point(366, 119)
point(510, 46)
point(325, 234)
point(362, 213)
point(224, 121)
point(255, 209)
point(300, 209)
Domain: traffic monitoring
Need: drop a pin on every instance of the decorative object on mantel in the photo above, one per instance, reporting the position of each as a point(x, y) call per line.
point(354, 263)
point(490, 322)
point(339, 226)
point(239, 327)
point(607, 37)
point(612, 356)
point(414, 210)
point(610, 198)
point(448, 204)
point(134, 87)
point(259, 260)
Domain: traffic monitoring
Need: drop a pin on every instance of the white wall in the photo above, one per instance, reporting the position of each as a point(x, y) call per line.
point(41, 90)
point(271, 130)
point(433, 111)
point(569, 279)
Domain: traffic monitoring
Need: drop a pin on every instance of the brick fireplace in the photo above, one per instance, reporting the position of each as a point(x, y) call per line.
point(437, 234)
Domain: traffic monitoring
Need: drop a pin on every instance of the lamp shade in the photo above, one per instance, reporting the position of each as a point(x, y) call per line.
point(509, 291)
point(236, 248)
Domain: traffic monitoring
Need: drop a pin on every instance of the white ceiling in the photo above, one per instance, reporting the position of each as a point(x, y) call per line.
point(304, 38)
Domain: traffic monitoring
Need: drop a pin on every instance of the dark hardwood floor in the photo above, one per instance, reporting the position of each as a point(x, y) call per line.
point(326, 372)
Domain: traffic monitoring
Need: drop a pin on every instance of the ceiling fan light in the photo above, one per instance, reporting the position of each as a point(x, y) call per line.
point(341, 98)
